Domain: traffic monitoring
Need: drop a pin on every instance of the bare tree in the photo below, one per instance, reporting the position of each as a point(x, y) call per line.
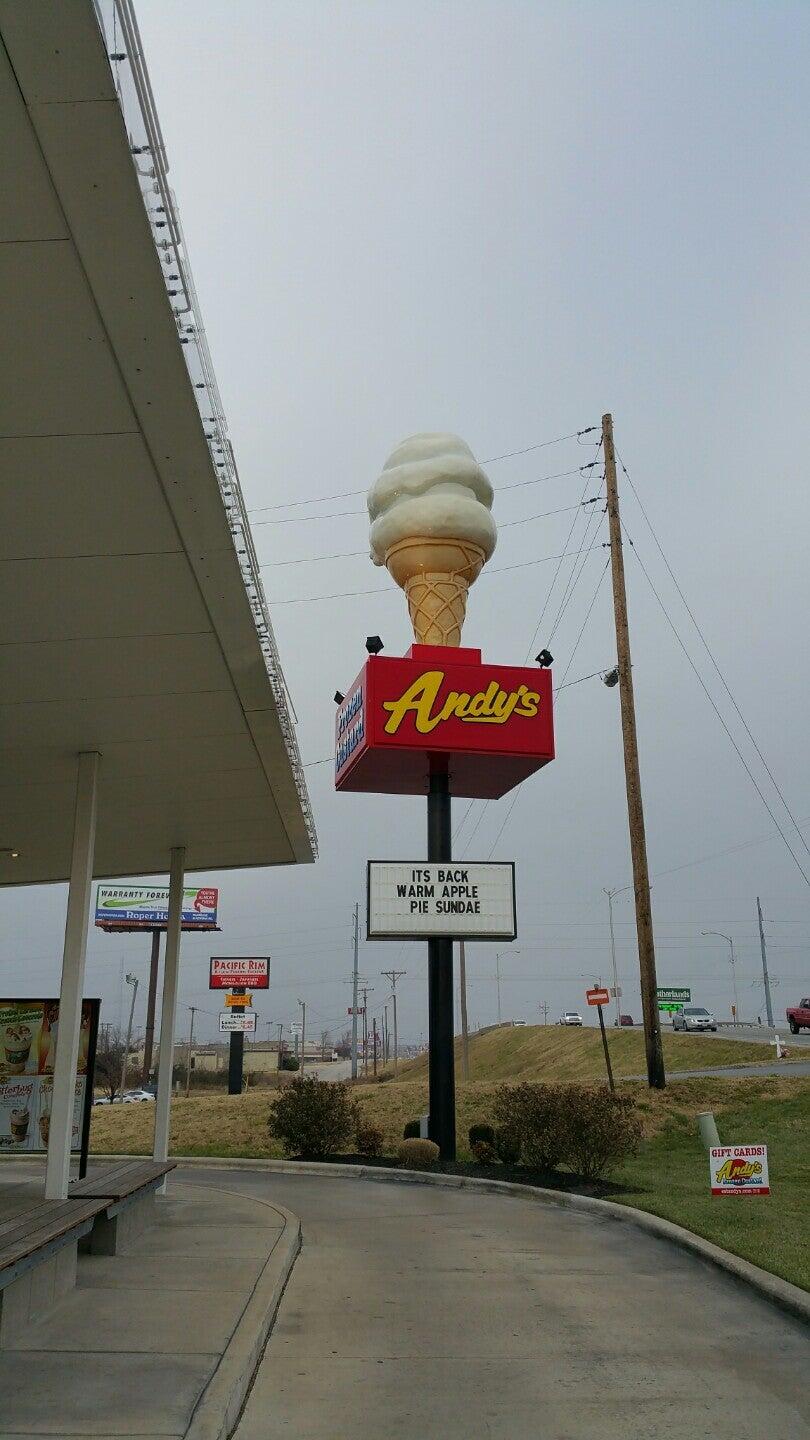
point(326, 1042)
point(109, 1060)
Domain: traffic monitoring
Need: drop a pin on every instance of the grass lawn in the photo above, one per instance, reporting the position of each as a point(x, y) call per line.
point(557, 1053)
point(669, 1176)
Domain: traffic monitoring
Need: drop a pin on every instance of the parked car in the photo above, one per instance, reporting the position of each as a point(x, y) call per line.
point(693, 1017)
point(625, 1019)
point(105, 1100)
point(570, 1017)
point(799, 1016)
point(134, 1097)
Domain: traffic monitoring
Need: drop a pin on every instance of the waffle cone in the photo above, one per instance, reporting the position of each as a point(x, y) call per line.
point(435, 575)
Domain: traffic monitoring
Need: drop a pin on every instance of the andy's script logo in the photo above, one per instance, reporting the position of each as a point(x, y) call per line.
point(492, 706)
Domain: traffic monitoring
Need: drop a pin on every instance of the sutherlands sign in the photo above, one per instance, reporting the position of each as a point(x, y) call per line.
point(412, 900)
point(126, 907)
point(494, 722)
point(739, 1170)
point(240, 972)
point(674, 994)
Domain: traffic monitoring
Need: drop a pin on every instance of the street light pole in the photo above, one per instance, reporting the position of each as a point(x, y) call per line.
point(610, 894)
point(133, 981)
point(722, 936)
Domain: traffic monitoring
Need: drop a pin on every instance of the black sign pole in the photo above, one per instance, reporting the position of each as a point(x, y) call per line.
point(605, 1045)
point(236, 1052)
point(92, 1045)
point(441, 1058)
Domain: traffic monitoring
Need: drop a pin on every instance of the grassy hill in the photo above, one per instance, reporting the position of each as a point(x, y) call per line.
point(556, 1053)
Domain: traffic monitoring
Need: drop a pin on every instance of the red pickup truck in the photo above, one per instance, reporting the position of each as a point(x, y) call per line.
point(799, 1015)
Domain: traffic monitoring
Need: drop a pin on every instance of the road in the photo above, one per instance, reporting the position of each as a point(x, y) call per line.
point(414, 1311)
point(760, 1034)
point(790, 1068)
point(331, 1069)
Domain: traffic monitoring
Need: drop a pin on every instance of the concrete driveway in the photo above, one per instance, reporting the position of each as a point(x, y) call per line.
point(415, 1311)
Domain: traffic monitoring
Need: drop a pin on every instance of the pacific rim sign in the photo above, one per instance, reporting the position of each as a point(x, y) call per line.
point(493, 723)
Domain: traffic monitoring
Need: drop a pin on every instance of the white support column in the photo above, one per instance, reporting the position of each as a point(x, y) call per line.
point(168, 1013)
point(57, 1171)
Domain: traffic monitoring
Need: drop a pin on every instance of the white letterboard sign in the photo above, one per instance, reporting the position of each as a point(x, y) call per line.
point(416, 899)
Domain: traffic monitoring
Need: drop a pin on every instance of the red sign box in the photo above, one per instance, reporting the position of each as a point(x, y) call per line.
point(597, 997)
point(240, 972)
point(493, 722)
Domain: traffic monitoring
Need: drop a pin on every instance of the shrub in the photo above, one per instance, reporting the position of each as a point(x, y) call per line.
point(289, 1062)
point(507, 1145)
point(411, 1131)
point(313, 1118)
point(483, 1151)
point(481, 1134)
point(418, 1154)
point(370, 1139)
point(539, 1115)
point(603, 1130)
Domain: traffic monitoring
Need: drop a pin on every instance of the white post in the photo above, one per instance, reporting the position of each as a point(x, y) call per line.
point(171, 966)
point(57, 1170)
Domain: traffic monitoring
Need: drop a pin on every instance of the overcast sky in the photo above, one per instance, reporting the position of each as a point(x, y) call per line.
point(502, 219)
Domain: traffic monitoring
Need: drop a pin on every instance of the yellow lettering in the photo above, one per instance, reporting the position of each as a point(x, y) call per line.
point(492, 706)
point(420, 697)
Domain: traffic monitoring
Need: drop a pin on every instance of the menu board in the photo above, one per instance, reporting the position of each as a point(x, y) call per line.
point(28, 1031)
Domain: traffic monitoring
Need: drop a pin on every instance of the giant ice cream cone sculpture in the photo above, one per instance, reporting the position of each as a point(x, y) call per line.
point(432, 527)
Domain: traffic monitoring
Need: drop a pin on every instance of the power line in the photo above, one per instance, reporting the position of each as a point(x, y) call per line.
point(711, 701)
point(557, 571)
point(389, 590)
point(349, 494)
point(584, 623)
point(708, 650)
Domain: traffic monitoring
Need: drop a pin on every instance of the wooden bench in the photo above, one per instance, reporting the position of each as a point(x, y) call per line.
point(126, 1191)
point(38, 1259)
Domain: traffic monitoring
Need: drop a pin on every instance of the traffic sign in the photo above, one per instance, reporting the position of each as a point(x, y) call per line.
point(598, 996)
point(240, 1024)
point(680, 993)
point(239, 1000)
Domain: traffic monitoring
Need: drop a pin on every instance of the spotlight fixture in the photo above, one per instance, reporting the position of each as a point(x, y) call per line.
point(7, 850)
point(339, 698)
point(544, 659)
point(611, 678)
point(373, 644)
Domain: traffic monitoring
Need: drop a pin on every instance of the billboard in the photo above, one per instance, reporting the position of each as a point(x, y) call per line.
point(494, 722)
point(28, 1031)
point(411, 900)
point(239, 972)
point(128, 907)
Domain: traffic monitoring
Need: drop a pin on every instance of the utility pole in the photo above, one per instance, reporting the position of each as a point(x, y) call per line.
point(133, 981)
point(374, 1027)
point(543, 1006)
point(498, 980)
point(393, 976)
point(656, 1076)
point(385, 1035)
point(280, 1047)
point(610, 894)
point(366, 991)
point(768, 1006)
point(193, 1009)
point(354, 992)
point(303, 1005)
point(151, 999)
point(462, 985)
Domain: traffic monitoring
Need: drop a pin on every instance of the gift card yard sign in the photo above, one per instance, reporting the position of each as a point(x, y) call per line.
point(739, 1170)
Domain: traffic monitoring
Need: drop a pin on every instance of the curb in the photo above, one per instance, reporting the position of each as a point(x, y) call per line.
point(787, 1297)
point(218, 1409)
